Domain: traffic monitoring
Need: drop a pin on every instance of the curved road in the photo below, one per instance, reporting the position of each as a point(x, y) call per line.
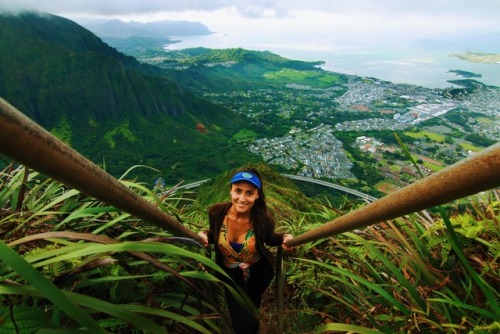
point(364, 196)
point(359, 194)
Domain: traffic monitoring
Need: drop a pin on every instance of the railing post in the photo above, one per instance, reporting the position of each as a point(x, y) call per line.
point(280, 283)
point(29, 144)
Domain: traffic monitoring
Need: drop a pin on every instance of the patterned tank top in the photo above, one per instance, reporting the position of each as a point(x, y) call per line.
point(243, 259)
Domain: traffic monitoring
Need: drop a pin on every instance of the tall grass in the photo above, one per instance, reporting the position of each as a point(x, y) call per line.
point(404, 275)
point(71, 262)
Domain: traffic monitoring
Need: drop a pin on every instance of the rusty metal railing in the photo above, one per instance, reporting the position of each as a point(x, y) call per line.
point(29, 144)
point(26, 142)
point(467, 177)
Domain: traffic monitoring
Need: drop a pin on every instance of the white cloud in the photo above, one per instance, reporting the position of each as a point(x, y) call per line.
point(485, 9)
point(355, 21)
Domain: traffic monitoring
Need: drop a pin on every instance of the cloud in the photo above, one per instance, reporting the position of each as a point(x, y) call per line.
point(355, 19)
point(487, 9)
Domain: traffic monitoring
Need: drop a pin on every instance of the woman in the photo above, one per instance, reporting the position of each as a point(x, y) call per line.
point(239, 229)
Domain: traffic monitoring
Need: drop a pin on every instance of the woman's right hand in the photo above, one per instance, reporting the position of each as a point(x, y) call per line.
point(204, 238)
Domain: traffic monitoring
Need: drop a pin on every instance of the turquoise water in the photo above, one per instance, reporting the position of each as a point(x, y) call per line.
point(424, 63)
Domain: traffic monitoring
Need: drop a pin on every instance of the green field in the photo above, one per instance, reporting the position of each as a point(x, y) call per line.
point(484, 120)
point(311, 78)
point(395, 168)
point(426, 134)
point(244, 134)
point(386, 187)
point(470, 147)
point(432, 167)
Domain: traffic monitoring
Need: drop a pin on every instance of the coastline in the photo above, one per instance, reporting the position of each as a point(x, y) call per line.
point(413, 64)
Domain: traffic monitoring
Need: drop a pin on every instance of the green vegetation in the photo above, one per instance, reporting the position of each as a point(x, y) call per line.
point(239, 55)
point(469, 86)
point(63, 131)
point(432, 166)
point(466, 74)
point(123, 130)
point(244, 134)
point(72, 84)
point(192, 115)
point(238, 69)
point(70, 262)
point(470, 147)
point(386, 187)
point(426, 134)
point(314, 79)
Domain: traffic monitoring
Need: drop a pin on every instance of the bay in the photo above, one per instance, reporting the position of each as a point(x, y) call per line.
point(422, 62)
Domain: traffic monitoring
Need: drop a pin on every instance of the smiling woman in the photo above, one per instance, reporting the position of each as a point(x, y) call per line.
point(240, 230)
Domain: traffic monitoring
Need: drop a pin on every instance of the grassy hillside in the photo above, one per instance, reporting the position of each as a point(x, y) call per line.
point(232, 69)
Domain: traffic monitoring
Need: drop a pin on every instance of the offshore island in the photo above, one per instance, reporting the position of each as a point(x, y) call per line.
point(478, 57)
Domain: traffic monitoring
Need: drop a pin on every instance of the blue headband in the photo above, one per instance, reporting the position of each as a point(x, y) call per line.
point(247, 176)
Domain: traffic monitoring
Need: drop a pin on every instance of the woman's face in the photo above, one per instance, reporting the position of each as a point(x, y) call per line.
point(243, 196)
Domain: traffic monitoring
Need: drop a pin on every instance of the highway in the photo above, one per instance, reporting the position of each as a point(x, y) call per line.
point(359, 194)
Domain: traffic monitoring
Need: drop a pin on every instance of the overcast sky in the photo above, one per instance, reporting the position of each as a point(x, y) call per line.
point(426, 16)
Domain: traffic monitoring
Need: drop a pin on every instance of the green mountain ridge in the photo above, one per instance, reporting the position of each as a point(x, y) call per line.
point(105, 104)
point(224, 68)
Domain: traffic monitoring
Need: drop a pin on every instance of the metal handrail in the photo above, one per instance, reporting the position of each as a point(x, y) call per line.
point(29, 144)
point(467, 177)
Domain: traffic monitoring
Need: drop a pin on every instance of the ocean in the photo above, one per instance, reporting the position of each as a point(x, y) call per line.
point(419, 62)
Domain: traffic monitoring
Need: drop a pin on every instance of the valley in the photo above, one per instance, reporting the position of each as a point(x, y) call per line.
point(343, 128)
point(338, 127)
point(192, 114)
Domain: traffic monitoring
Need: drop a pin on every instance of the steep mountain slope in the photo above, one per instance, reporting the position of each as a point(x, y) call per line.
point(108, 105)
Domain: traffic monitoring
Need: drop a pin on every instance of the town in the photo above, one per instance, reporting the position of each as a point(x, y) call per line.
point(314, 120)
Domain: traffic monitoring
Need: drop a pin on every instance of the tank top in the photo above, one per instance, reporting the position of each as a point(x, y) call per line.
point(243, 258)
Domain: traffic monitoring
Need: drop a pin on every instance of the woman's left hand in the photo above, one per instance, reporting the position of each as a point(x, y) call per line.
point(287, 237)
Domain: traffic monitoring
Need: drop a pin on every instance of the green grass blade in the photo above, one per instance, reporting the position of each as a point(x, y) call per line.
point(47, 288)
point(394, 270)
point(336, 327)
point(387, 296)
point(167, 314)
point(118, 311)
point(117, 220)
point(489, 292)
point(408, 154)
point(64, 197)
point(93, 212)
point(461, 305)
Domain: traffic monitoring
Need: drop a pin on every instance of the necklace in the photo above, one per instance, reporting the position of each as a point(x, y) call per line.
point(237, 220)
